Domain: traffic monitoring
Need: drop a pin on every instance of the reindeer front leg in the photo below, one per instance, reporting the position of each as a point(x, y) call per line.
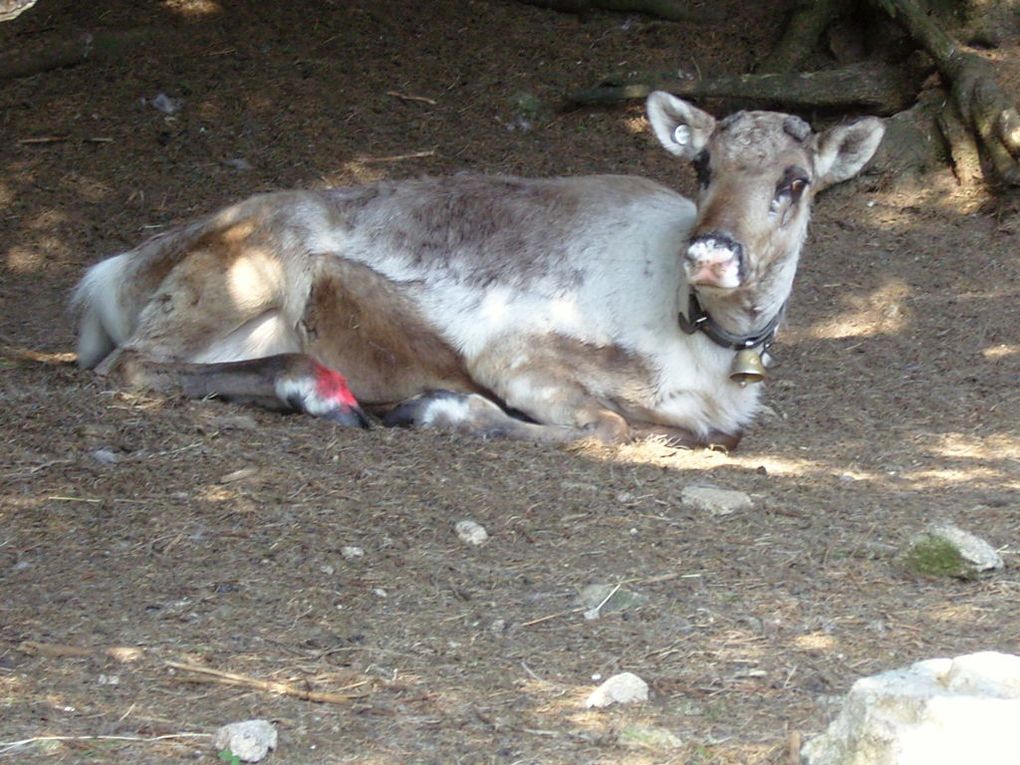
point(553, 380)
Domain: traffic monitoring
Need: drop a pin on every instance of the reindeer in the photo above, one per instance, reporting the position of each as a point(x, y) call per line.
point(549, 310)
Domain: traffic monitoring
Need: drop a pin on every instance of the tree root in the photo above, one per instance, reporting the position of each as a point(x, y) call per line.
point(809, 20)
point(980, 103)
point(671, 10)
point(878, 88)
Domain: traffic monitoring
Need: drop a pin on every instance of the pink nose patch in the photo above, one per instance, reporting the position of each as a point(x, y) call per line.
point(711, 265)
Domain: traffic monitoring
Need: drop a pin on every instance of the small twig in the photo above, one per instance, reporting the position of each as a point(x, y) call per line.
point(7, 746)
point(416, 99)
point(45, 139)
point(593, 613)
point(124, 653)
point(398, 157)
point(793, 748)
point(272, 686)
point(548, 617)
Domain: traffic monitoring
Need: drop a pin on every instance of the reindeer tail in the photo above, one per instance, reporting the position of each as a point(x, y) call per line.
point(104, 322)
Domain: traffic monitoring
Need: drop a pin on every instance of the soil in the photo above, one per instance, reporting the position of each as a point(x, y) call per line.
point(137, 530)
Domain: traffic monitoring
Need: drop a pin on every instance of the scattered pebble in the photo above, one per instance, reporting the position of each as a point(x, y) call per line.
point(471, 533)
point(239, 163)
point(715, 501)
point(106, 456)
point(162, 102)
point(249, 741)
point(352, 552)
point(624, 688)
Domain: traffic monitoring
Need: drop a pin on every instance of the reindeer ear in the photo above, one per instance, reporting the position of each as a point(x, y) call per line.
point(682, 128)
point(841, 151)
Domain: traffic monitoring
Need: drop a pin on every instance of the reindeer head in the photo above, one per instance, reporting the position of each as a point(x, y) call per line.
point(758, 172)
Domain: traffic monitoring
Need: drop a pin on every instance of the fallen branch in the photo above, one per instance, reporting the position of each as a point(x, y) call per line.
point(98, 46)
point(206, 674)
point(415, 99)
point(670, 10)
point(878, 88)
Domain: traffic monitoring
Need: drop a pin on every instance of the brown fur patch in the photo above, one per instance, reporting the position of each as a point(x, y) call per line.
point(357, 321)
point(207, 287)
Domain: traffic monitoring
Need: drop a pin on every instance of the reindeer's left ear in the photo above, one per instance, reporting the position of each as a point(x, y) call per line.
point(841, 151)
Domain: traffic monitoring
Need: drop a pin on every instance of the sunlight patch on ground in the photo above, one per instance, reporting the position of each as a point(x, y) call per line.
point(23, 260)
point(955, 475)
point(1000, 351)
point(880, 313)
point(636, 125)
point(193, 8)
point(46, 220)
point(991, 447)
point(985, 462)
point(656, 452)
point(816, 641)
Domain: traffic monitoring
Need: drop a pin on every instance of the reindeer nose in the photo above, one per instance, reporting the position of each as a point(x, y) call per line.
point(714, 260)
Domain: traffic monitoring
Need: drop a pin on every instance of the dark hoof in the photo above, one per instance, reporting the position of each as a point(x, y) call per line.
point(413, 412)
point(349, 417)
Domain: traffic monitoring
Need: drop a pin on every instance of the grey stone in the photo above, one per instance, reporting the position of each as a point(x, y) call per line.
point(249, 741)
point(714, 500)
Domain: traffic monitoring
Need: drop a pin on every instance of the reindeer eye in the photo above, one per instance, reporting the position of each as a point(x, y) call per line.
point(792, 185)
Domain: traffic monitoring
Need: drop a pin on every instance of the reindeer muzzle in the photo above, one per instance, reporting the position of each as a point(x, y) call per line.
point(714, 260)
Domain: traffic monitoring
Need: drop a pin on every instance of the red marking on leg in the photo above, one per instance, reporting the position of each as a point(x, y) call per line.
point(332, 386)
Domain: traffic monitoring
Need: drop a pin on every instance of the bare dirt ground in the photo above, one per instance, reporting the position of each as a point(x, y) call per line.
point(125, 524)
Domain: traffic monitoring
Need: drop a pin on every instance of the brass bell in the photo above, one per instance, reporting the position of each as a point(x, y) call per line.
point(747, 367)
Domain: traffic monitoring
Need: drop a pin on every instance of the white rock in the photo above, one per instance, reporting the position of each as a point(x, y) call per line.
point(624, 688)
point(250, 740)
point(976, 551)
point(714, 500)
point(352, 552)
point(471, 533)
point(935, 712)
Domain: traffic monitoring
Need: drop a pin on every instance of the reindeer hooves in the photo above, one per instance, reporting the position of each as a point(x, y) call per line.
point(322, 392)
point(457, 412)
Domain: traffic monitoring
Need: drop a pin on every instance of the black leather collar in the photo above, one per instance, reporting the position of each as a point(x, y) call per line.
point(698, 320)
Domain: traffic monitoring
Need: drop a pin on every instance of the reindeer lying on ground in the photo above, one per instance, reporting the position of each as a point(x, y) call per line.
point(551, 310)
